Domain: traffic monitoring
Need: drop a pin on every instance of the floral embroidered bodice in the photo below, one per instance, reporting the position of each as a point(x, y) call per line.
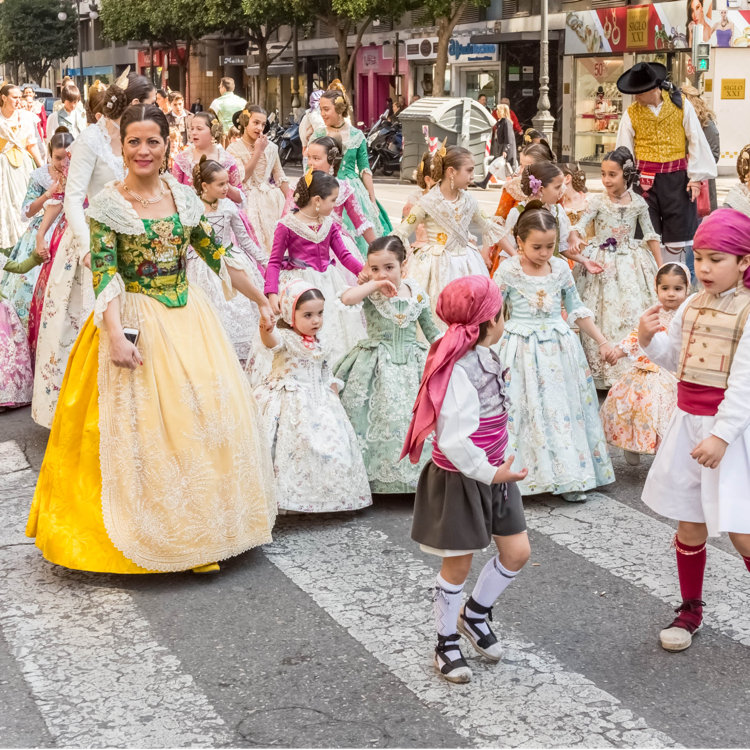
point(392, 322)
point(149, 255)
point(447, 222)
point(355, 160)
point(631, 346)
point(267, 168)
point(230, 230)
point(616, 224)
point(535, 301)
point(299, 364)
point(39, 182)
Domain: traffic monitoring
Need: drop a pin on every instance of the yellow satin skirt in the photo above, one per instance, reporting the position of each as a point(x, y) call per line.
point(157, 469)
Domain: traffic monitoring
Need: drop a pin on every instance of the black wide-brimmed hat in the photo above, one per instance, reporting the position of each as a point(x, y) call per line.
point(643, 76)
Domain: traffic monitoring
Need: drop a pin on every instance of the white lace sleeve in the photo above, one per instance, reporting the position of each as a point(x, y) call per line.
point(114, 288)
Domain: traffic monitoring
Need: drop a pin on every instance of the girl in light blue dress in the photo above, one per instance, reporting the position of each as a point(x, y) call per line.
point(554, 426)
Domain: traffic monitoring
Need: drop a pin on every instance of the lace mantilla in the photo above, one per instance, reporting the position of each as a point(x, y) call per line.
point(111, 209)
point(303, 230)
point(415, 305)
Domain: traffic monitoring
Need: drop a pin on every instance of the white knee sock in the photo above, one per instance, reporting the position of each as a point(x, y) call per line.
point(492, 581)
point(446, 605)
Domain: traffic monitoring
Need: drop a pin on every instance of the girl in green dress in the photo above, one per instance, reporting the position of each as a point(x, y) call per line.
point(355, 166)
point(381, 374)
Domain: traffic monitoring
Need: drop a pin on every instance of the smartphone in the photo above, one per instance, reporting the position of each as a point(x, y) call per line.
point(132, 334)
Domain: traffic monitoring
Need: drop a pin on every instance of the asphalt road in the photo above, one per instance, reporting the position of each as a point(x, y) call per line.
point(324, 638)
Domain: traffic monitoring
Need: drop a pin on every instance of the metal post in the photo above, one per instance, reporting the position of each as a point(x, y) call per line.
point(295, 79)
point(82, 80)
point(544, 122)
point(396, 66)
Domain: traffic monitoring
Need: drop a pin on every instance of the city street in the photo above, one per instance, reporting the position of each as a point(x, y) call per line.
point(324, 638)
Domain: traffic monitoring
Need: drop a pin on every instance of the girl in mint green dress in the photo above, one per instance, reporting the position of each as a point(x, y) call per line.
point(355, 166)
point(381, 374)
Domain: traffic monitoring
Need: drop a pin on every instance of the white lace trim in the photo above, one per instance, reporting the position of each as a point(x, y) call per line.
point(415, 305)
point(738, 198)
point(238, 261)
point(303, 230)
point(115, 288)
point(580, 312)
point(111, 209)
point(97, 140)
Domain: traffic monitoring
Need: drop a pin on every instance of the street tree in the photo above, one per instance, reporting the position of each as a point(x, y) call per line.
point(348, 18)
point(446, 14)
point(32, 34)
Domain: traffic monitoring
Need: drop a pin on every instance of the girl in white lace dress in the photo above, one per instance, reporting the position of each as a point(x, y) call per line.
point(266, 185)
point(447, 211)
point(627, 285)
point(317, 462)
point(238, 314)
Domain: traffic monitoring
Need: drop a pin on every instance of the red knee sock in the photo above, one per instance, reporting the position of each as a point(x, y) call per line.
point(691, 564)
point(747, 561)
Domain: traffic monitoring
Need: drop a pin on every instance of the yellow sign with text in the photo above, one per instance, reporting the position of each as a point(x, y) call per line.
point(732, 88)
point(637, 27)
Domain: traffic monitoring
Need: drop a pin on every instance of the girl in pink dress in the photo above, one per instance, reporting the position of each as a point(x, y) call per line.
point(303, 245)
point(324, 154)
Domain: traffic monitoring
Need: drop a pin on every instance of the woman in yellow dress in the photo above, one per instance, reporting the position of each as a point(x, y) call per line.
point(155, 462)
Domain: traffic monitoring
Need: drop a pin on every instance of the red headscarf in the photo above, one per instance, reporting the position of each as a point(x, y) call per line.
point(725, 231)
point(463, 305)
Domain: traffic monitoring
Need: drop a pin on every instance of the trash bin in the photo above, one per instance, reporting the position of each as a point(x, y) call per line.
point(464, 122)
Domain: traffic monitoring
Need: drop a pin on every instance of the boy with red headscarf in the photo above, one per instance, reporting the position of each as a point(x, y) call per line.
point(701, 473)
point(466, 494)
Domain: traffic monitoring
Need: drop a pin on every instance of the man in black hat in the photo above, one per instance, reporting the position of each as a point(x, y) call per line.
point(663, 132)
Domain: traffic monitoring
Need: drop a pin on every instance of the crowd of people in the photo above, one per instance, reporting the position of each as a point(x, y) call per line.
point(212, 345)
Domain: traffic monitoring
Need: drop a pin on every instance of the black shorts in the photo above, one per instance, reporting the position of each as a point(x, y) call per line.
point(454, 512)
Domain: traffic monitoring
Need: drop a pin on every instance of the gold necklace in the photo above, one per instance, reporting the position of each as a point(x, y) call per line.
point(145, 202)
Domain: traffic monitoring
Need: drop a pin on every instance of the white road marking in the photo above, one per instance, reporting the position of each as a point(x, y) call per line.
point(637, 548)
point(379, 592)
point(96, 671)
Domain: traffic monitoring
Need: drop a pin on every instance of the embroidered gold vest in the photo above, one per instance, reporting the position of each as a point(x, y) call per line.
point(712, 327)
point(658, 138)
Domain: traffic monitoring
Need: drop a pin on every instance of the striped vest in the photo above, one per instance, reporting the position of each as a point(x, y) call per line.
point(712, 327)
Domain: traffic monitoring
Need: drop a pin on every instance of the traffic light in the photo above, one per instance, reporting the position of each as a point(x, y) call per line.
point(701, 53)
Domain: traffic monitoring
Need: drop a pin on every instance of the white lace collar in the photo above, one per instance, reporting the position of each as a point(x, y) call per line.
point(111, 209)
point(402, 316)
point(303, 230)
point(296, 347)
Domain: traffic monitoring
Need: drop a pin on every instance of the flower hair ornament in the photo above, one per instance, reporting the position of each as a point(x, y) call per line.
point(535, 184)
point(111, 103)
point(442, 151)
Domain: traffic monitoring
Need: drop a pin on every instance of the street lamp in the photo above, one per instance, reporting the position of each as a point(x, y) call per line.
point(544, 122)
point(93, 14)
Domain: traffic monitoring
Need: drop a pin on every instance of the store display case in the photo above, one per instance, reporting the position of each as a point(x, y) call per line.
point(598, 106)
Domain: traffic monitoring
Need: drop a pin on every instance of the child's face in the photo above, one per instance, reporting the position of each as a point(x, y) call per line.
point(255, 127)
point(384, 265)
point(317, 158)
point(218, 188)
point(552, 192)
point(612, 177)
point(462, 176)
point(671, 290)
point(60, 160)
point(719, 272)
point(308, 317)
point(326, 205)
point(539, 246)
point(494, 331)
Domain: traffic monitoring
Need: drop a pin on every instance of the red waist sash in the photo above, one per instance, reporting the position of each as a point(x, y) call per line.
point(491, 436)
point(701, 400)
point(666, 167)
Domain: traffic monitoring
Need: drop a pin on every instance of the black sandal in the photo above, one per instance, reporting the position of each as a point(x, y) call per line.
point(454, 670)
point(485, 643)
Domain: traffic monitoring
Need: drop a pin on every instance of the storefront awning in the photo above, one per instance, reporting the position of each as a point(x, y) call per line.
point(281, 69)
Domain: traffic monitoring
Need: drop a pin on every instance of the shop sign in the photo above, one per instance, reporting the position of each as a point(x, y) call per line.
point(639, 28)
point(422, 49)
point(237, 60)
point(369, 59)
point(732, 88)
point(458, 52)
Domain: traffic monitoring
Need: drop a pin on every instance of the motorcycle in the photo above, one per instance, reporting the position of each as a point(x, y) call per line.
point(274, 129)
point(385, 145)
point(290, 144)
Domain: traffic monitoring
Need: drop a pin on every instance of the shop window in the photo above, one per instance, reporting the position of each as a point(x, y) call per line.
point(598, 106)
